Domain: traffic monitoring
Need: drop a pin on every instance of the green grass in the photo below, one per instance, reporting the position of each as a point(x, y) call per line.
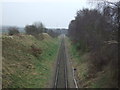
point(21, 69)
point(78, 59)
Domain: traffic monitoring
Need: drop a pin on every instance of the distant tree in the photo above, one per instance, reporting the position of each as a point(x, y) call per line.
point(40, 27)
point(31, 30)
point(45, 31)
point(53, 33)
point(13, 31)
point(35, 29)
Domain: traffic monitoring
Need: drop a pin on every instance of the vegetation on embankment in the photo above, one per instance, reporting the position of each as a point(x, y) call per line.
point(27, 61)
point(94, 42)
point(87, 74)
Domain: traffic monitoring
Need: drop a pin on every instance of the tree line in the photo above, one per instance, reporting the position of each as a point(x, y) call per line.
point(96, 31)
point(35, 29)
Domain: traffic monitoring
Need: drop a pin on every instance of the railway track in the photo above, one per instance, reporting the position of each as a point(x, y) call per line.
point(61, 77)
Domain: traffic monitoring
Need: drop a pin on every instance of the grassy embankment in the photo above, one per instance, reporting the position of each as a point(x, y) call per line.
point(27, 62)
point(86, 79)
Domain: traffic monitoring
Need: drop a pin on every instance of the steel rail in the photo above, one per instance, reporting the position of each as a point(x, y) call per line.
point(61, 60)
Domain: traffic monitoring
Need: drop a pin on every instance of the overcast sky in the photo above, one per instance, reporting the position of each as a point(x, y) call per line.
point(53, 13)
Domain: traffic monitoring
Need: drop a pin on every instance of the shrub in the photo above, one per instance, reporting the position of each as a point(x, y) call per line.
point(13, 31)
point(31, 30)
point(35, 29)
point(35, 51)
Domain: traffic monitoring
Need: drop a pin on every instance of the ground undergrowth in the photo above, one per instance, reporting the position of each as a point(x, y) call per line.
point(27, 61)
point(88, 77)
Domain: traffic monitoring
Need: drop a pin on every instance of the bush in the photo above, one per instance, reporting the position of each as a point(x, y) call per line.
point(36, 51)
point(40, 27)
point(31, 30)
point(13, 31)
point(35, 29)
